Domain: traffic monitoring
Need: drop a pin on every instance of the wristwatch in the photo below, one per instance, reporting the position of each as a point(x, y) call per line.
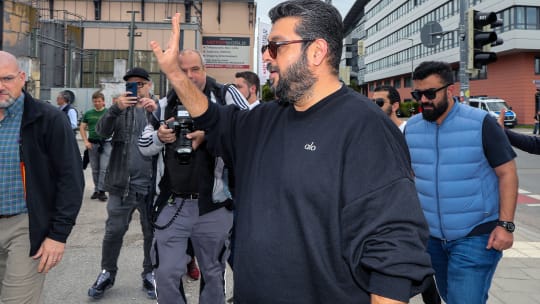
point(509, 226)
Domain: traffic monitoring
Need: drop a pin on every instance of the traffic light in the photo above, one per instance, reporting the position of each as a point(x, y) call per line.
point(481, 37)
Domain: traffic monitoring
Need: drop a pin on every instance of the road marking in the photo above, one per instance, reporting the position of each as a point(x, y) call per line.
point(523, 250)
point(528, 198)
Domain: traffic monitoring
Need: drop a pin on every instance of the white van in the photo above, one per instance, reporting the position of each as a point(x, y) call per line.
point(493, 106)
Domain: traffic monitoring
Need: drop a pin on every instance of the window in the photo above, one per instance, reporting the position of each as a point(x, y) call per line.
point(397, 83)
point(407, 82)
point(520, 17)
point(531, 17)
point(537, 65)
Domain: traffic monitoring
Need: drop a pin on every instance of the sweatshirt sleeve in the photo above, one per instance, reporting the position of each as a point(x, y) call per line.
point(149, 142)
point(524, 142)
point(218, 122)
point(384, 232)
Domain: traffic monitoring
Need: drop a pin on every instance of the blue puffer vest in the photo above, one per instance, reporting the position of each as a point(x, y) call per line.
point(457, 187)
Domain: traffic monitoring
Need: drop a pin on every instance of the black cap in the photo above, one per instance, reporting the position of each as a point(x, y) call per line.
point(137, 72)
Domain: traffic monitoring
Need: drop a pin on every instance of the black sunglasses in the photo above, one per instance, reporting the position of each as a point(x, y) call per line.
point(273, 46)
point(378, 101)
point(429, 93)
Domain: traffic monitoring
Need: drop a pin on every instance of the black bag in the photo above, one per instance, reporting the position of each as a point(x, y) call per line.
point(85, 159)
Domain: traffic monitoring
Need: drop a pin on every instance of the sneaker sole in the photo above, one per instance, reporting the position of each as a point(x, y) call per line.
point(96, 294)
point(150, 294)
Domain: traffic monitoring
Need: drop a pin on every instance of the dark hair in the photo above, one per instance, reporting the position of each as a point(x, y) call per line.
point(393, 94)
point(439, 68)
point(251, 78)
point(68, 96)
point(98, 94)
point(317, 20)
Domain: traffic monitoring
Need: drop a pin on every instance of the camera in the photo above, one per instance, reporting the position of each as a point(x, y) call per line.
point(182, 125)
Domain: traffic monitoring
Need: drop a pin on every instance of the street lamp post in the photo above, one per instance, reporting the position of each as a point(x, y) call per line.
point(132, 35)
point(412, 56)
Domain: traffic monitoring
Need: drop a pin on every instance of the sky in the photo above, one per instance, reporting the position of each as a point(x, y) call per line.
point(263, 6)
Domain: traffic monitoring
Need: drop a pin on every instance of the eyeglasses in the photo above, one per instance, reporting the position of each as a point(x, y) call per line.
point(141, 84)
point(9, 79)
point(273, 46)
point(429, 93)
point(379, 101)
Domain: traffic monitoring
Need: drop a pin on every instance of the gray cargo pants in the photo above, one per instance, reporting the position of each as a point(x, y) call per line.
point(209, 234)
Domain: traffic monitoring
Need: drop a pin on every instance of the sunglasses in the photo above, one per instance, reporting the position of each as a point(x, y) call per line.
point(378, 101)
point(430, 93)
point(273, 46)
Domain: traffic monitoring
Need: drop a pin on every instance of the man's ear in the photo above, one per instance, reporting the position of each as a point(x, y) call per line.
point(451, 91)
point(318, 51)
point(395, 107)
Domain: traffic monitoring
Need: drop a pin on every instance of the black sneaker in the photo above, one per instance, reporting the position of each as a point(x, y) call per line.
point(102, 196)
point(95, 195)
point(149, 285)
point(103, 282)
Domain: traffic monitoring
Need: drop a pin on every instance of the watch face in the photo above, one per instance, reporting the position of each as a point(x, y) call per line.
point(510, 226)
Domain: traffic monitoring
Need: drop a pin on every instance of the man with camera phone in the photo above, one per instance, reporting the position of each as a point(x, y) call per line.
point(128, 179)
point(194, 201)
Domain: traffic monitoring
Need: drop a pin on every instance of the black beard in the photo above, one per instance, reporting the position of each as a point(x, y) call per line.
point(295, 82)
point(438, 110)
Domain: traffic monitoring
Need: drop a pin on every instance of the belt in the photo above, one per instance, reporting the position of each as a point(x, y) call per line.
point(187, 195)
point(7, 215)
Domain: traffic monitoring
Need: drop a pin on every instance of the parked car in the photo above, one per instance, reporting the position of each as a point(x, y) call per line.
point(493, 106)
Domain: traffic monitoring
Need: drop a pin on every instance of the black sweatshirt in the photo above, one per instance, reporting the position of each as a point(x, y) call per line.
point(524, 142)
point(327, 210)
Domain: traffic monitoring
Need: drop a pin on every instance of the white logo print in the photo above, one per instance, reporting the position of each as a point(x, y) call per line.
point(310, 147)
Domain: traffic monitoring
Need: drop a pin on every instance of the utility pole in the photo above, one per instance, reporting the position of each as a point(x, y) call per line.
point(132, 35)
point(463, 48)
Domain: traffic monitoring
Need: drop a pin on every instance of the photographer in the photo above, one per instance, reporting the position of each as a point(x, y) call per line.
point(194, 201)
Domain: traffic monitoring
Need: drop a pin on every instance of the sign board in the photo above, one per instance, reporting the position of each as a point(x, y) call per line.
point(226, 52)
point(431, 34)
point(264, 31)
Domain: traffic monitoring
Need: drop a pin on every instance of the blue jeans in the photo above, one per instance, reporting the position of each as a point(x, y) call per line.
point(99, 163)
point(463, 268)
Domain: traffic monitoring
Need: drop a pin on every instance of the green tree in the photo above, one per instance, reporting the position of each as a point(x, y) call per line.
point(266, 92)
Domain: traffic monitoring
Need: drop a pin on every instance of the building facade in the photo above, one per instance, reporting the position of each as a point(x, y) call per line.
point(393, 47)
point(89, 43)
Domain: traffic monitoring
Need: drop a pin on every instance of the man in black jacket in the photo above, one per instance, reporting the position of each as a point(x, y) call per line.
point(41, 189)
point(128, 180)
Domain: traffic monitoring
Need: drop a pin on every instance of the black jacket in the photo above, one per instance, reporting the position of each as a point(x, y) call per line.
point(54, 174)
point(124, 126)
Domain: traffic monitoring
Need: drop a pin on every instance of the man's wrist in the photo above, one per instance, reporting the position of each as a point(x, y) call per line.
point(508, 225)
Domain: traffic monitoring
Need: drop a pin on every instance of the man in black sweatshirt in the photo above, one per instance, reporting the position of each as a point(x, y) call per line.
point(327, 210)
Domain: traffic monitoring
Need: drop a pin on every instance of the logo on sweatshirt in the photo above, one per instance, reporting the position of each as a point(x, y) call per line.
point(310, 147)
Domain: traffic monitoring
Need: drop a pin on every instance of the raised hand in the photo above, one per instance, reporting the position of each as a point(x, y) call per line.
point(168, 59)
point(500, 120)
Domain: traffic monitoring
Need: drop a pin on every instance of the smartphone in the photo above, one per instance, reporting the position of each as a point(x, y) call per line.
point(132, 87)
